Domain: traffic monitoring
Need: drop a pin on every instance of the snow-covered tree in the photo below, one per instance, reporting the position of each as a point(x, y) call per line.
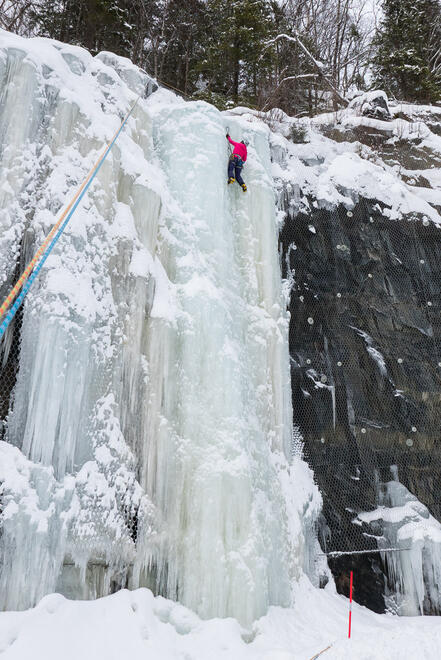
point(323, 50)
point(13, 14)
point(407, 62)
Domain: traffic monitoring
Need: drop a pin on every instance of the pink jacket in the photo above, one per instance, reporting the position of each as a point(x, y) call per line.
point(240, 149)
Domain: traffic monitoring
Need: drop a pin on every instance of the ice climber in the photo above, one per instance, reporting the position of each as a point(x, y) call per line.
point(236, 162)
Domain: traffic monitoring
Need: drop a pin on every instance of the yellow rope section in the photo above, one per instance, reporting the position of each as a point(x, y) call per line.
point(27, 271)
point(321, 652)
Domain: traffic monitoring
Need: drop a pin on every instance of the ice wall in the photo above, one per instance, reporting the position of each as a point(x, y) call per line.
point(150, 418)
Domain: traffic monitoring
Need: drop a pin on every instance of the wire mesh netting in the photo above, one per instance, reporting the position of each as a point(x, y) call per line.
point(366, 378)
point(84, 495)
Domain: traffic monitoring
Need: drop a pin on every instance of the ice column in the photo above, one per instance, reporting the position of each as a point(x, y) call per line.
point(219, 389)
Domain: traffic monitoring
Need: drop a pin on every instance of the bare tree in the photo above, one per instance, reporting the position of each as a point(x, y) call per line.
point(317, 65)
point(13, 14)
point(153, 43)
point(332, 40)
point(434, 49)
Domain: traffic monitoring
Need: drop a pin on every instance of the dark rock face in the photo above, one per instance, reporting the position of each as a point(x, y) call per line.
point(365, 346)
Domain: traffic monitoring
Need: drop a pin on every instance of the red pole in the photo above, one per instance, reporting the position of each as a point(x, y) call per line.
point(350, 605)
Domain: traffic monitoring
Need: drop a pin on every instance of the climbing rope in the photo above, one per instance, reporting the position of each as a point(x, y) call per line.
point(314, 657)
point(36, 263)
point(175, 89)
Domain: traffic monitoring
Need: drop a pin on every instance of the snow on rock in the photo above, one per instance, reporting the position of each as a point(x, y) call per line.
point(342, 159)
point(148, 436)
point(373, 352)
point(342, 172)
point(371, 104)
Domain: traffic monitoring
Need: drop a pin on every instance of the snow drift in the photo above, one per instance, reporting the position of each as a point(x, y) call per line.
point(137, 625)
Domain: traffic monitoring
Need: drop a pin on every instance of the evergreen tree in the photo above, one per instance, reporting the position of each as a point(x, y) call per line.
point(236, 63)
point(405, 50)
point(182, 33)
point(95, 24)
point(190, 25)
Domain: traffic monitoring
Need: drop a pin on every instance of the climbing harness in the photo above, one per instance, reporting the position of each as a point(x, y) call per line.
point(33, 268)
point(237, 159)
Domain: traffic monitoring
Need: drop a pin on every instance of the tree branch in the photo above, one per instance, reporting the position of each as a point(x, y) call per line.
point(318, 65)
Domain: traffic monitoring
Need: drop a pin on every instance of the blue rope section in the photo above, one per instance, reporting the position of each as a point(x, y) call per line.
point(13, 310)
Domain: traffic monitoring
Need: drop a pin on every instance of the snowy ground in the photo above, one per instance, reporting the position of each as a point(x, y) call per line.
point(135, 625)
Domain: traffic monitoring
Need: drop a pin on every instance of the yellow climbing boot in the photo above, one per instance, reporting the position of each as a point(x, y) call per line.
point(231, 180)
point(244, 188)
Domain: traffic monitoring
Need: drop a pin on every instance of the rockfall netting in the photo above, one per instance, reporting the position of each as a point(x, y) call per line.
point(365, 348)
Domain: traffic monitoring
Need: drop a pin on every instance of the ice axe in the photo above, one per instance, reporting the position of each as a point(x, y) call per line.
point(230, 148)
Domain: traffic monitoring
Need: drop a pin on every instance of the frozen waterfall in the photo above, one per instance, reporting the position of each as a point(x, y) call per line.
point(147, 434)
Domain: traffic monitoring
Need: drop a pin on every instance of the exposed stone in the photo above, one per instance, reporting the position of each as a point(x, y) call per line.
point(378, 346)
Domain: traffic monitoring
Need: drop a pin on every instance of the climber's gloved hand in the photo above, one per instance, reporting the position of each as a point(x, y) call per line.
point(227, 136)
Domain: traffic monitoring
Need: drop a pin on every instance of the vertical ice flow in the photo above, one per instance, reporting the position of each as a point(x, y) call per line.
point(225, 406)
point(151, 413)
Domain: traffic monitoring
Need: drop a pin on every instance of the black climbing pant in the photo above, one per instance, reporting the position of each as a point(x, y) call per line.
point(235, 165)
